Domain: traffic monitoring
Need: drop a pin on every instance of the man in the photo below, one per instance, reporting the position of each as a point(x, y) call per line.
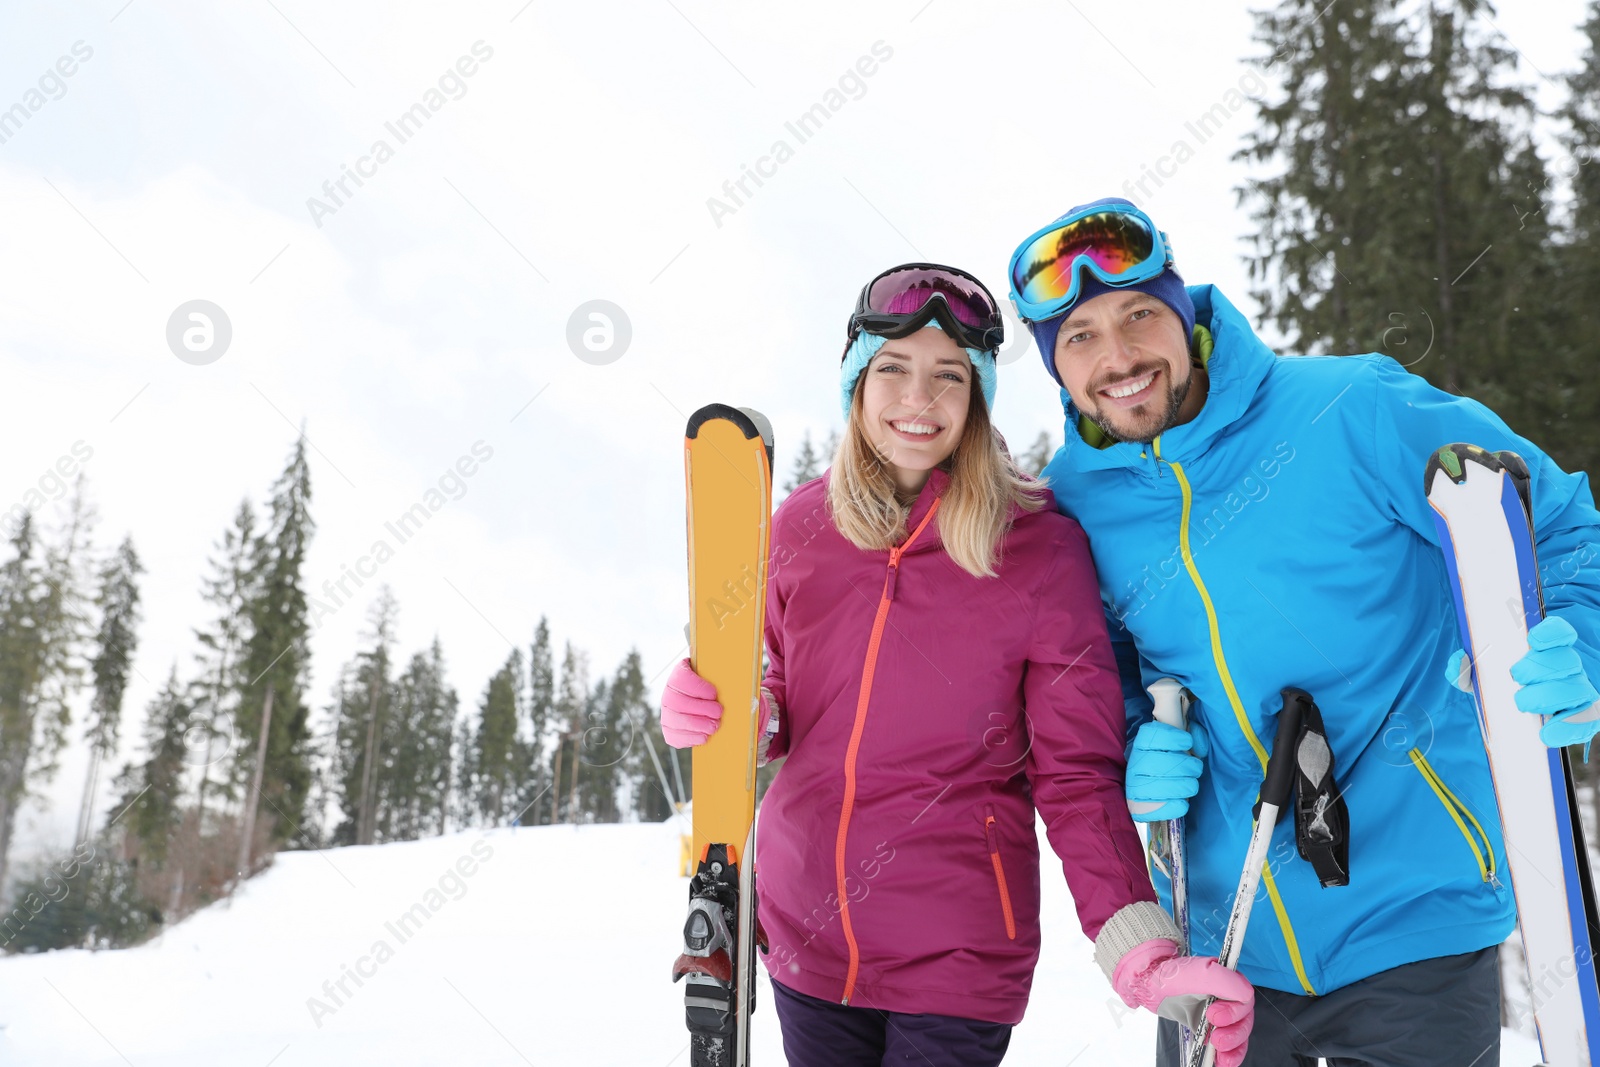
point(1260, 522)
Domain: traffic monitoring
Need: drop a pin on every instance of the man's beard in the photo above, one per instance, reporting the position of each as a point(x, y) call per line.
point(1146, 428)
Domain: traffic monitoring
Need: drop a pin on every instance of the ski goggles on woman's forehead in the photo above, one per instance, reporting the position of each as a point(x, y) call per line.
point(1117, 243)
point(904, 299)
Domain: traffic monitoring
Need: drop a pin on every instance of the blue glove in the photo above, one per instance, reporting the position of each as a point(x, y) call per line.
point(1554, 683)
point(1164, 770)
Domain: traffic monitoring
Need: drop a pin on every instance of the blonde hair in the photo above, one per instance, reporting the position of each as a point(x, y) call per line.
point(974, 514)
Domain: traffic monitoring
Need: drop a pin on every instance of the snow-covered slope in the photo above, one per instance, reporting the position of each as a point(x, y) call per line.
point(547, 945)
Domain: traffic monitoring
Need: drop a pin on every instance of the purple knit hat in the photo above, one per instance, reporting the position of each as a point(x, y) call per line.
point(1166, 287)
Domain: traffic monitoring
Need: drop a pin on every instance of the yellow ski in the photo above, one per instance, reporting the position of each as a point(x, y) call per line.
point(728, 469)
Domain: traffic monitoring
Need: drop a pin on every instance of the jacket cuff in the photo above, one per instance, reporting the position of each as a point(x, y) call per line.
point(769, 745)
point(1141, 921)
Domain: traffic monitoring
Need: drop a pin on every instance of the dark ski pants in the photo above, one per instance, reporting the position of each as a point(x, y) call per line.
point(1424, 1014)
point(819, 1033)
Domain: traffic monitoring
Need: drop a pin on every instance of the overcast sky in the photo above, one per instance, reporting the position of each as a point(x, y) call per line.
point(561, 154)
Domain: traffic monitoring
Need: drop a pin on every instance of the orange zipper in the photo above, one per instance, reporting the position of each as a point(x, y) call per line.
point(992, 836)
point(855, 745)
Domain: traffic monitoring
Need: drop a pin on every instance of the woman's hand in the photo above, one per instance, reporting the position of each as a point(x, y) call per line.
point(1154, 976)
point(690, 713)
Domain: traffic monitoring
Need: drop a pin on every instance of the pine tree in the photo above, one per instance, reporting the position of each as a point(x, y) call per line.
point(344, 749)
point(220, 680)
point(599, 746)
point(153, 790)
point(277, 660)
point(115, 643)
point(1399, 148)
point(1344, 72)
point(20, 657)
point(1488, 279)
point(532, 805)
point(495, 746)
point(1034, 460)
point(808, 464)
point(363, 729)
point(42, 623)
point(379, 697)
point(323, 753)
point(572, 703)
point(415, 783)
point(65, 620)
point(1570, 377)
point(1581, 116)
point(462, 804)
point(650, 789)
point(102, 906)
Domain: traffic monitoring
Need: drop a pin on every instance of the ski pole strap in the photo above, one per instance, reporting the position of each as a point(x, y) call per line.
point(1321, 820)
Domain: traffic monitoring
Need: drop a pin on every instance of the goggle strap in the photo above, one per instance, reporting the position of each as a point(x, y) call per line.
point(964, 334)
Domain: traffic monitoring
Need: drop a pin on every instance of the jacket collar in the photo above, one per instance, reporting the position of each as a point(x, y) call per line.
point(935, 486)
point(938, 481)
point(1239, 363)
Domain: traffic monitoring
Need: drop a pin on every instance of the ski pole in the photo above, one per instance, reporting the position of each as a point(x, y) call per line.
point(1274, 796)
point(1168, 696)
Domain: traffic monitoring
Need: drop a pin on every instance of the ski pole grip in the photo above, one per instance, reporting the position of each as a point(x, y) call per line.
point(1281, 764)
point(1167, 694)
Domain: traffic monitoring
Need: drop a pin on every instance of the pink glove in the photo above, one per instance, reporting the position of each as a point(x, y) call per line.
point(1154, 976)
point(691, 713)
point(689, 709)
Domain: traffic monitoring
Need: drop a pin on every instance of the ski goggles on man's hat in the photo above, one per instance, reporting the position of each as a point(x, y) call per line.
point(1116, 243)
point(904, 299)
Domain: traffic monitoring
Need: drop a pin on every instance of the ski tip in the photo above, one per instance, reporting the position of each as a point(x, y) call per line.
point(1452, 459)
point(1514, 465)
point(712, 412)
point(749, 421)
point(762, 424)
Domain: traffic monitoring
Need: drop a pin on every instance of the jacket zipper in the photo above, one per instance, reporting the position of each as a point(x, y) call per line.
point(992, 836)
point(1234, 702)
point(1453, 805)
point(884, 600)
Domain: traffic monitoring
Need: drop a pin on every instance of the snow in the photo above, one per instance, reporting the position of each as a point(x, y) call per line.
point(542, 945)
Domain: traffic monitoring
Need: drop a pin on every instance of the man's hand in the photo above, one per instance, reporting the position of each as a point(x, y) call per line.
point(1162, 772)
point(1554, 683)
point(1551, 681)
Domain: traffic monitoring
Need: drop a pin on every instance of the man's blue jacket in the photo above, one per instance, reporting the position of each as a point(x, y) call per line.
point(1282, 537)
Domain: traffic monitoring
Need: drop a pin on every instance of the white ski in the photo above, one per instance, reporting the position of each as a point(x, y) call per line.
point(1481, 504)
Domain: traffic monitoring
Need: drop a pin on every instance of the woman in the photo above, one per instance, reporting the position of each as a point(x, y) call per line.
point(939, 667)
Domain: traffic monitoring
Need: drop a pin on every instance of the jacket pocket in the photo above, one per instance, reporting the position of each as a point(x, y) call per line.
point(991, 835)
point(1460, 814)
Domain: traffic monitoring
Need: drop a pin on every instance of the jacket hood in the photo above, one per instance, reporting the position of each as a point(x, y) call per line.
point(1238, 363)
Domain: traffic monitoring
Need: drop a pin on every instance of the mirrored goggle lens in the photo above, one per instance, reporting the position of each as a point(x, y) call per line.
point(1114, 241)
point(904, 292)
